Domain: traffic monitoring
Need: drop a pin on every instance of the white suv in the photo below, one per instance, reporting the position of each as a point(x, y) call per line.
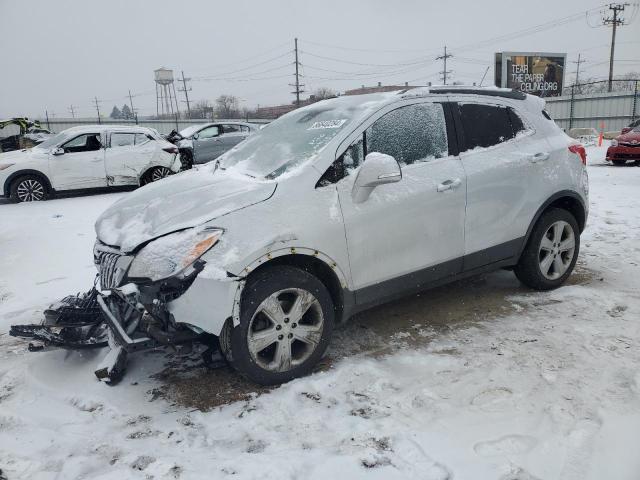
point(87, 157)
point(334, 208)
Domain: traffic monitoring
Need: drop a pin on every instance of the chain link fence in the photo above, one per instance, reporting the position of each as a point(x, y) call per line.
point(593, 105)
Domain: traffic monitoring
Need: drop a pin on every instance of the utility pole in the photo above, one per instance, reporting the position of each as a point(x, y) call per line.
point(185, 90)
point(72, 111)
point(46, 114)
point(97, 108)
point(614, 21)
point(578, 63)
point(297, 85)
point(444, 57)
point(131, 102)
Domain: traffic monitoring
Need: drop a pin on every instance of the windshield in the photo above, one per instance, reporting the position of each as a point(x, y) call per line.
point(53, 141)
point(293, 139)
point(187, 132)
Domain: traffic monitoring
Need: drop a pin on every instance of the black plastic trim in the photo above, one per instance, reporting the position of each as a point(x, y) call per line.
point(504, 251)
point(487, 260)
point(513, 94)
point(556, 196)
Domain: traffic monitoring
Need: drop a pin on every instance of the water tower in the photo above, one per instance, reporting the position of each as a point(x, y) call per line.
point(165, 92)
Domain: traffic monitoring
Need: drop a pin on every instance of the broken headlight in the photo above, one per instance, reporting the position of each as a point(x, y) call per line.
point(172, 254)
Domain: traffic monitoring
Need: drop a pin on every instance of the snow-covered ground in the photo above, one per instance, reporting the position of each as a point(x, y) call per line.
point(547, 388)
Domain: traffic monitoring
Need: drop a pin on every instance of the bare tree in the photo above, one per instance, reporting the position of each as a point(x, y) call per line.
point(202, 109)
point(227, 106)
point(322, 93)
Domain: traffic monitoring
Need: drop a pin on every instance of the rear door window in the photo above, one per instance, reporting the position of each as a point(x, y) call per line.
point(231, 128)
point(488, 125)
point(142, 138)
point(119, 139)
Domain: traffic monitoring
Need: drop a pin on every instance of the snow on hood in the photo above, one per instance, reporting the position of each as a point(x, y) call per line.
point(20, 155)
point(181, 201)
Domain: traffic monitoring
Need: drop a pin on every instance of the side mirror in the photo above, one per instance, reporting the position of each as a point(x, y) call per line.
point(58, 151)
point(195, 136)
point(626, 130)
point(377, 169)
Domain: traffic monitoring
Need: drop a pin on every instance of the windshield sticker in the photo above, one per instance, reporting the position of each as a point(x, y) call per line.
point(327, 124)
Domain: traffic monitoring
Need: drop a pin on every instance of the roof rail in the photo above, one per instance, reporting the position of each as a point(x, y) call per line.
point(492, 92)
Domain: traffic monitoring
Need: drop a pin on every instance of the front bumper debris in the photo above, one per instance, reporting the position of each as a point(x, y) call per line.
point(73, 323)
point(120, 336)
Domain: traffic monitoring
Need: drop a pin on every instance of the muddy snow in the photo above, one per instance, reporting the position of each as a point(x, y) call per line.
point(481, 379)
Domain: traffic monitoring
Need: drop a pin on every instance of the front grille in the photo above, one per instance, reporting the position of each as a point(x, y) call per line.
point(107, 267)
point(632, 145)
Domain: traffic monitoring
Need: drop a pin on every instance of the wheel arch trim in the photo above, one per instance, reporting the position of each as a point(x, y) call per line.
point(554, 199)
point(304, 254)
point(21, 173)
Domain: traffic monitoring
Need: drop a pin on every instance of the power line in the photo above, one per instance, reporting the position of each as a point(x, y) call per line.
point(333, 59)
point(244, 69)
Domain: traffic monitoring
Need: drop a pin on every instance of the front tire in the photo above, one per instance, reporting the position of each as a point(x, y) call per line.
point(286, 322)
point(551, 252)
point(29, 188)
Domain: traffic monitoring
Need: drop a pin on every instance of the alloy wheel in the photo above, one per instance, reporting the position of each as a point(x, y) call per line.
point(159, 173)
point(557, 249)
point(30, 190)
point(285, 329)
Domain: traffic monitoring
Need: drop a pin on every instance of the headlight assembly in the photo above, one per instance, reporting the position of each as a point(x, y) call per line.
point(614, 143)
point(172, 254)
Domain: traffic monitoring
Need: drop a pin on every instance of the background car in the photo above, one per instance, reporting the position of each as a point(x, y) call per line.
point(93, 156)
point(203, 143)
point(631, 126)
point(625, 147)
point(586, 136)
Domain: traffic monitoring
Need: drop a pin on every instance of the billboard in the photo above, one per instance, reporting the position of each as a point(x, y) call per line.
point(536, 73)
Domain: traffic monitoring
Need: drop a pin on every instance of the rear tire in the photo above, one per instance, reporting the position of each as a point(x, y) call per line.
point(619, 162)
point(551, 251)
point(275, 342)
point(155, 174)
point(29, 188)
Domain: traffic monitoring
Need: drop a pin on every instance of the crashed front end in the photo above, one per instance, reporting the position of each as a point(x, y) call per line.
point(162, 293)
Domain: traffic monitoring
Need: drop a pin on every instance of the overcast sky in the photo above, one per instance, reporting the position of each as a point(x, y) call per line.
point(60, 53)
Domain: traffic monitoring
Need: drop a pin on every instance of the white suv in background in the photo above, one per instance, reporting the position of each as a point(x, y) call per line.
point(93, 156)
point(337, 207)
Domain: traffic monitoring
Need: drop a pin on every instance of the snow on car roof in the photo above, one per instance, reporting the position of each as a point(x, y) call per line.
point(103, 127)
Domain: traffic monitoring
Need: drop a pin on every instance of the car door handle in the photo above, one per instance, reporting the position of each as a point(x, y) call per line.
point(449, 185)
point(539, 157)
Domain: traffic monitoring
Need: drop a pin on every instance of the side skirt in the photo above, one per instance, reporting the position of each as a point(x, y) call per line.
point(490, 259)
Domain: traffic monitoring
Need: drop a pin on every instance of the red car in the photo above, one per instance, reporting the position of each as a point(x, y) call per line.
point(625, 147)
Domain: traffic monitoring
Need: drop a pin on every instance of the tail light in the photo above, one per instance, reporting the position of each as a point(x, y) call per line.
point(579, 150)
point(171, 149)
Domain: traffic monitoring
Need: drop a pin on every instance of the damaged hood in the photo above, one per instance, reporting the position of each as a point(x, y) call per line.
point(16, 156)
point(180, 201)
